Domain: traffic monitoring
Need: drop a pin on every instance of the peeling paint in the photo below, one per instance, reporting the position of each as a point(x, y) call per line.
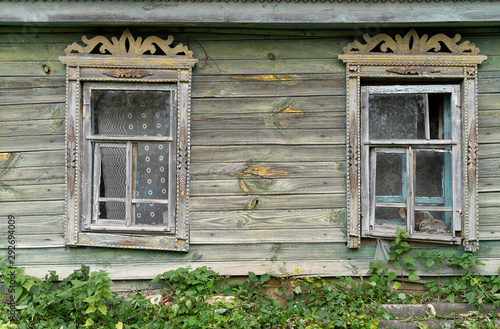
point(270, 77)
point(262, 172)
point(275, 120)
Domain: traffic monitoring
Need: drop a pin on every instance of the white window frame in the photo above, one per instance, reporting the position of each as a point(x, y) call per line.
point(131, 65)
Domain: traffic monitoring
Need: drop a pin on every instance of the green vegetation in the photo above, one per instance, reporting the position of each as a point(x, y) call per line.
point(201, 298)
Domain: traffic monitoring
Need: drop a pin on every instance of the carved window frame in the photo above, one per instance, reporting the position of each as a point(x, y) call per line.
point(410, 59)
point(127, 64)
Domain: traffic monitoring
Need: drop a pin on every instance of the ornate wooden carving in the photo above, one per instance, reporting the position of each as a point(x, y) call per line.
point(183, 161)
point(413, 70)
point(411, 43)
point(128, 73)
point(128, 46)
point(353, 158)
point(472, 156)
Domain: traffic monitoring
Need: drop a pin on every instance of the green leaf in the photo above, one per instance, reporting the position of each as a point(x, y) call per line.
point(412, 276)
point(90, 299)
point(175, 309)
point(89, 322)
point(103, 309)
point(397, 266)
point(407, 258)
point(119, 325)
point(430, 262)
point(396, 285)
point(297, 290)
point(90, 309)
point(252, 276)
point(451, 298)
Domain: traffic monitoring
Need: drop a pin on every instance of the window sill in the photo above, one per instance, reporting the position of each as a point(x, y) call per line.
point(427, 237)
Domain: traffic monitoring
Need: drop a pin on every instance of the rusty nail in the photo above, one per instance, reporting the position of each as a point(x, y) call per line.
point(271, 56)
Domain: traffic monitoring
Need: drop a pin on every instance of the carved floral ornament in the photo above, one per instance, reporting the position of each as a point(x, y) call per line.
point(128, 46)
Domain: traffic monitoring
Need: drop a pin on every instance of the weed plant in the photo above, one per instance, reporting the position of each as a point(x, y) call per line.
point(84, 299)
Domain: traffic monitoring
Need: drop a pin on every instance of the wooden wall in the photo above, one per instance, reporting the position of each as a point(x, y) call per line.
point(268, 152)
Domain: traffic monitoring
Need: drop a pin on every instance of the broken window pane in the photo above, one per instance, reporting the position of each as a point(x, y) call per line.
point(131, 113)
point(397, 116)
point(112, 210)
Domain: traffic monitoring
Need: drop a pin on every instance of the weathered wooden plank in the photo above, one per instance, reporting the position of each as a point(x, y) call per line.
point(33, 96)
point(31, 176)
point(489, 118)
point(267, 153)
point(489, 199)
point(264, 106)
point(32, 128)
point(266, 186)
point(489, 215)
point(32, 159)
point(35, 241)
point(32, 192)
point(197, 253)
point(268, 86)
point(28, 143)
point(262, 170)
point(282, 118)
point(20, 68)
point(268, 202)
point(32, 208)
point(270, 219)
point(45, 81)
point(489, 167)
point(325, 268)
point(489, 184)
point(27, 225)
point(488, 102)
point(269, 136)
point(488, 233)
point(487, 151)
point(52, 111)
point(489, 135)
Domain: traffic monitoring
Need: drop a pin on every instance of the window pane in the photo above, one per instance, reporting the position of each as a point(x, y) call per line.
point(112, 210)
point(132, 113)
point(433, 221)
point(431, 169)
point(390, 174)
point(113, 166)
point(151, 171)
point(150, 214)
point(390, 216)
point(397, 116)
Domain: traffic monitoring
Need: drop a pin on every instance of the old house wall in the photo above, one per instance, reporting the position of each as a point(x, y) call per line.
point(268, 152)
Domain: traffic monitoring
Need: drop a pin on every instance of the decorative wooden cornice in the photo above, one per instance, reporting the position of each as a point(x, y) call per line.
point(412, 44)
point(128, 46)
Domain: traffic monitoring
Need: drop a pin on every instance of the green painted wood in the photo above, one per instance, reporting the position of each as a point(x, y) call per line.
point(32, 208)
point(489, 199)
point(52, 111)
point(31, 176)
point(268, 136)
point(45, 81)
point(262, 170)
point(268, 202)
point(32, 192)
point(32, 96)
point(35, 224)
point(266, 153)
point(269, 219)
point(32, 159)
point(266, 186)
point(12, 67)
point(32, 128)
point(28, 143)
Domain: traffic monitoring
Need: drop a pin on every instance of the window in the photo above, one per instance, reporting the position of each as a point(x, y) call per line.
point(128, 143)
point(411, 138)
point(411, 152)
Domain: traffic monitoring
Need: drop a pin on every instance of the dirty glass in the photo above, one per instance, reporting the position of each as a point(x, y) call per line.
point(131, 113)
point(390, 216)
point(397, 116)
point(389, 173)
point(430, 175)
